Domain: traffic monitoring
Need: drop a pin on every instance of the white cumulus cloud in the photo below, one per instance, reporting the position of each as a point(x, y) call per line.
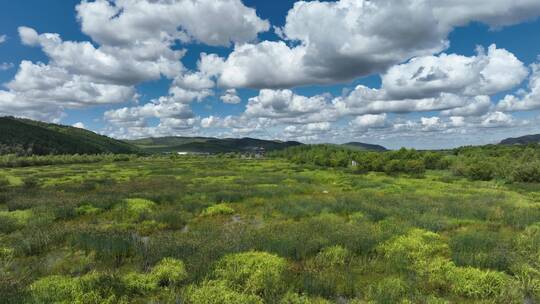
point(337, 41)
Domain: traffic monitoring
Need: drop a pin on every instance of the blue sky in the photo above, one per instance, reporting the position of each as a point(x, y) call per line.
point(332, 71)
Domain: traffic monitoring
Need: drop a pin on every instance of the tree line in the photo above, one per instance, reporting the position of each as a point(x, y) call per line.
point(508, 163)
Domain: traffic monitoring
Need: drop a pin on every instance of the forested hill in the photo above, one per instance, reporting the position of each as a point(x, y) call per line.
point(209, 145)
point(523, 140)
point(364, 146)
point(28, 137)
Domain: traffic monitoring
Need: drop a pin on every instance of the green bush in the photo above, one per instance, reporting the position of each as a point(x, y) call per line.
point(255, 273)
point(89, 289)
point(527, 173)
point(407, 251)
point(169, 272)
point(30, 183)
point(217, 292)
point(87, 209)
point(139, 283)
point(390, 290)
point(136, 208)
point(219, 209)
point(55, 289)
point(294, 298)
point(335, 257)
point(478, 284)
point(330, 273)
point(394, 166)
point(480, 170)
point(8, 224)
point(414, 168)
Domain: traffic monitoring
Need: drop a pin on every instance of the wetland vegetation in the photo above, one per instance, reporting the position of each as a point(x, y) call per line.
point(286, 229)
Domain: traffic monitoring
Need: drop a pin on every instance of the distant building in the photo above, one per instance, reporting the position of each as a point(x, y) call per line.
point(254, 152)
point(183, 153)
point(260, 152)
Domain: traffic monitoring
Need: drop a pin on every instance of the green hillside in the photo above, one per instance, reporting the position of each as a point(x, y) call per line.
point(364, 146)
point(208, 145)
point(28, 137)
point(523, 140)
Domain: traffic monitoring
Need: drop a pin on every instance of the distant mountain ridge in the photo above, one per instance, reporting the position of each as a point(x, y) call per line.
point(364, 146)
point(523, 140)
point(208, 144)
point(29, 137)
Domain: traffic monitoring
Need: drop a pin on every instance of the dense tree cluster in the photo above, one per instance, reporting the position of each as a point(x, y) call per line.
point(407, 161)
point(508, 163)
point(14, 161)
point(519, 163)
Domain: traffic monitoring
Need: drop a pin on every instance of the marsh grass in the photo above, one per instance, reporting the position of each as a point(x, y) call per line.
point(114, 221)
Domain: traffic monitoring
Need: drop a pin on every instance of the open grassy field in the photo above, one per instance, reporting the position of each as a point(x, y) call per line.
point(219, 230)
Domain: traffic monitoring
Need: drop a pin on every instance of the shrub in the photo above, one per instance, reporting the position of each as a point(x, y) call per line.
point(422, 253)
point(394, 166)
point(528, 243)
point(479, 284)
point(256, 273)
point(8, 224)
point(294, 298)
point(330, 258)
point(139, 283)
point(30, 183)
point(528, 280)
point(417, 246)
point(330, 274)
point(435, 161)
point(169, 272)
point(526, 172)
point(138, 206)
point(87, 210)
point(219, 209)
point(172, 218)
point(216, 292)
point(389, 291)
point(414, 168)
point(475, 169)
point(91, 288)
point(54, 289)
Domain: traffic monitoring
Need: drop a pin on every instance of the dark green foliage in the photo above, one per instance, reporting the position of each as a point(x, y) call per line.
point(526, 172)
point(114, 246)
point(508, 163)
point(13, 161)
point(27, 137)
point(36, 240)
point(8, 224)
point(482, 249)
point(405, 161)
